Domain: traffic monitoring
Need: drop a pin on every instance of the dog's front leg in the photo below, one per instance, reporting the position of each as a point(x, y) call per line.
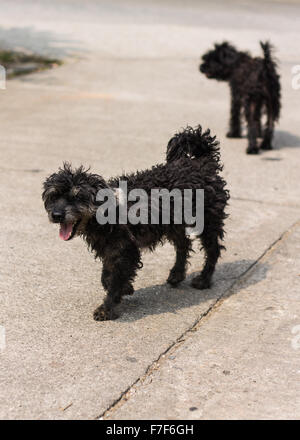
point(119, 270)
point(235, 116)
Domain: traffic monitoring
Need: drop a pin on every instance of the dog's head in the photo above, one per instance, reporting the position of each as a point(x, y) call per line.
point(219, 62)
point(70, 199)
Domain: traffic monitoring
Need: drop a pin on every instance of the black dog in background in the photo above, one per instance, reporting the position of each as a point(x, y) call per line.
point(255, 88)
point(193, 161)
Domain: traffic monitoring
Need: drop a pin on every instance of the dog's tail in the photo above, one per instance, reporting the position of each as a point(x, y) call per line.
point(192, 143)
point(272, 78)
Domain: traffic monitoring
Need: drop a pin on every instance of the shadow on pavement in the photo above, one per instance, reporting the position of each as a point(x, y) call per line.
point(284, 139)
point(162, 298)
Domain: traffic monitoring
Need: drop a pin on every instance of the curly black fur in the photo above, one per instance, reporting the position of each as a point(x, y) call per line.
point(192, 162)
point(255, 88)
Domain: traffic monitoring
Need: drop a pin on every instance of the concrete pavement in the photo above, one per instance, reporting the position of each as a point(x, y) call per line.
point(129, 82)
point(241, 360)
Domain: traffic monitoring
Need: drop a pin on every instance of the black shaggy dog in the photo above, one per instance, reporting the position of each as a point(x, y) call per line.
point(255, 88)
point(193, 162)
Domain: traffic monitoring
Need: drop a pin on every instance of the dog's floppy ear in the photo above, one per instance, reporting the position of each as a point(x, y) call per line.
point(228, 53)
point(222, 46)
point(96, 181)
point(48, 191)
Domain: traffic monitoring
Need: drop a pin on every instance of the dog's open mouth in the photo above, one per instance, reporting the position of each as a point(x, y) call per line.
point(67, 230)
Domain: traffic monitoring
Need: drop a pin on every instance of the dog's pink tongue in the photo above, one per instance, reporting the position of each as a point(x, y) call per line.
point(65, 230)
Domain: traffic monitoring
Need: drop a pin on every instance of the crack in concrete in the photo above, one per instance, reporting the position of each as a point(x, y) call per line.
point(132, 389)
point(266, 202)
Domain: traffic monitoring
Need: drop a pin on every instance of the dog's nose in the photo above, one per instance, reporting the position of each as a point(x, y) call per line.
point(58, 216)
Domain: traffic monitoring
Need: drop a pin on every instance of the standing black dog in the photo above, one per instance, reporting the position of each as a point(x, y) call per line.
point(254, 85)
point(193, 162)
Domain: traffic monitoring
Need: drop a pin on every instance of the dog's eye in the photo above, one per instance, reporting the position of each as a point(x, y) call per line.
point(52, 197)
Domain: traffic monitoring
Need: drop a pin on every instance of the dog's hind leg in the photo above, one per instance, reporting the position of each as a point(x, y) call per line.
point(183, 247)
point(235, 117)
point(268, 132)
point(252, 128)
point(257, 118)
point(212, 250)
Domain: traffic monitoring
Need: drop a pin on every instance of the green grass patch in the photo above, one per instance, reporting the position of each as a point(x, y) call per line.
point(18, 63)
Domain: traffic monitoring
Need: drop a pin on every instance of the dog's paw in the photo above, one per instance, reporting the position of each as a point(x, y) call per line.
point(175, 278)
point(233, 134)
point(128, 290)
point(200, 283)
point(252, 150)
point(266, 146)
point(104, 314)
